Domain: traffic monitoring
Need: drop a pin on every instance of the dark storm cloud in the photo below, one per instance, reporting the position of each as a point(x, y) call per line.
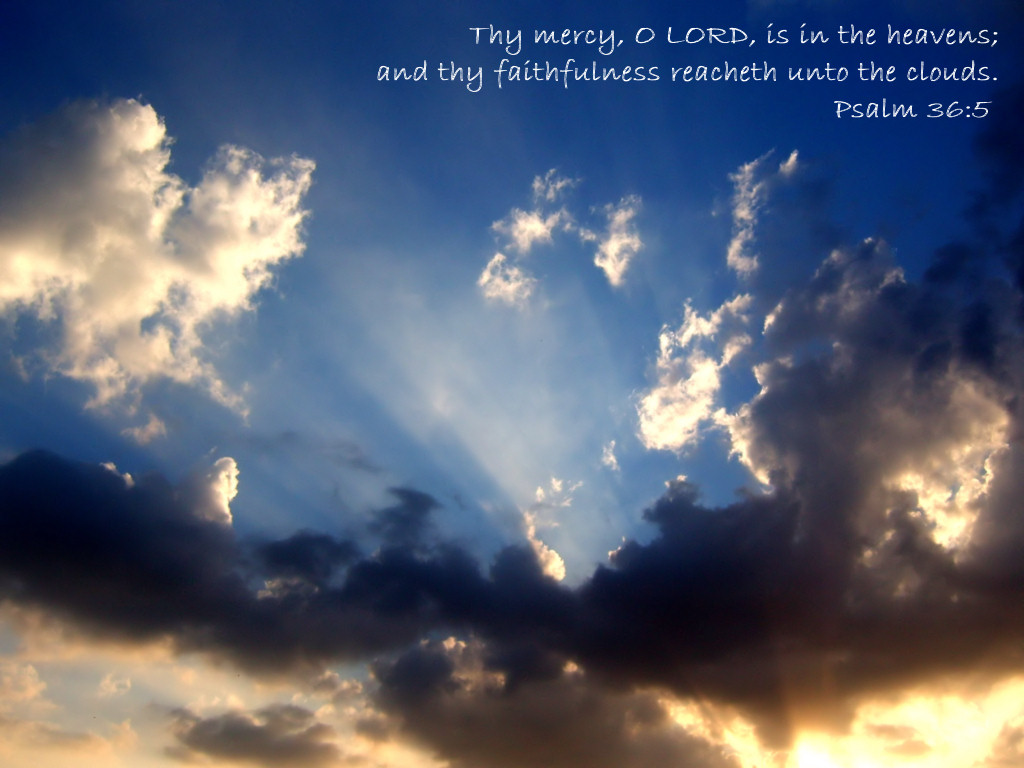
point(760, 604)
point(280, 735)
point(443, 697)
point(133, 561)
point(81, 540)
point(307, 555)
point(407, 522)
point(832, 585)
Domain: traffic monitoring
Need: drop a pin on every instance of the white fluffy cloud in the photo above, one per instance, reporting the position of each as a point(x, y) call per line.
point(620, 241)
point(126, 264)
point(210, 493)
point(551, 562)
point(690, 359)
point(506, 283)
point(556, 495)
point(688, 374)
point(527, 228)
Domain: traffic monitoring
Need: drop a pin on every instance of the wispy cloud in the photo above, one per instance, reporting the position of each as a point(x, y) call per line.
point(551, 185)
point(506, 283)
point(620, 242)
point(608, 458)
point(19, 683)
point(279, 735)
point(617, 244)
point(752, 185)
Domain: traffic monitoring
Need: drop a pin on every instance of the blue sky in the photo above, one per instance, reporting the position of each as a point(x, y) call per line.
point(621, 423)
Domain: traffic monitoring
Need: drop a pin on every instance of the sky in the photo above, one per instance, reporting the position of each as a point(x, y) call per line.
point(386, 387)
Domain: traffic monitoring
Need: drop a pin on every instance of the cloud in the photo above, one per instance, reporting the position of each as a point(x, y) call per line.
point(148, 432)
point(279, 735)
point(752, 185)
point(524, 229)
point(608, 458)
point(41, 735)
point(527, 228)
point(551, 563)
point(1008, 750)
point(617, 245)
point(675, 411)
point(620, 242)
point(551, 185)
point(684, 398)
point(791, 606)
point(557, 495)
point(19, 683)
point(505, 283)
point(94, 548)
point(508, 283)
point(886, 425)
point(113, 684)
point(308, 557)
point(145, 561)
point(127, 265)
point(903, 389)
point(209, 494)
point(446, 696)
point(408, 522)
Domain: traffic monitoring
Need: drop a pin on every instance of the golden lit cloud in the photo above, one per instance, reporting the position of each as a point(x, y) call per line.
point(129, 265)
